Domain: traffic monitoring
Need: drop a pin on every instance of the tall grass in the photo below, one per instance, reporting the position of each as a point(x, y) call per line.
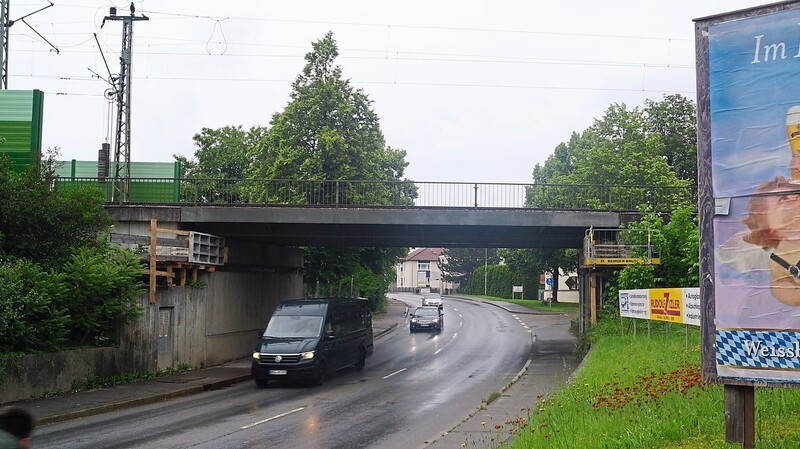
point(645, 392)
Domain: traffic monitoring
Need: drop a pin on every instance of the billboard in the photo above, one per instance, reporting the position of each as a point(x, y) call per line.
point(749, 170)
point(673, 305)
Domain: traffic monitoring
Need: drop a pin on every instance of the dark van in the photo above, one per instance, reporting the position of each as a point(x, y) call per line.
point(310, 338)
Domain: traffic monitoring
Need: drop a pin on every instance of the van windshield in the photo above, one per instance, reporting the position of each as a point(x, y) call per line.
point(283, 326)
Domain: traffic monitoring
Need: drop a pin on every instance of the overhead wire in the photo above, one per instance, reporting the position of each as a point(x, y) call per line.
point(395, 56)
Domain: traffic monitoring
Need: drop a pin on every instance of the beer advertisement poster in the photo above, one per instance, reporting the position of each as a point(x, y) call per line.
point(754, 110)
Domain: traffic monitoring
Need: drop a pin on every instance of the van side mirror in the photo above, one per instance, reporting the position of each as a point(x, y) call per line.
point(329, 334)
point(260, 334)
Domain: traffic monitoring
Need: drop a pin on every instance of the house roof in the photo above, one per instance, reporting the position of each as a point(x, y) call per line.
point(425, 254)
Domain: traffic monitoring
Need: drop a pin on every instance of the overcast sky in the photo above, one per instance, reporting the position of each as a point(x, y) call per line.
point(472, 90)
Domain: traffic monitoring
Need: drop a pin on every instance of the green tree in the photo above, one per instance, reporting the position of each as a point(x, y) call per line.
point(459, 264)
point(676, 240)
point(674, 120)
point(329, 132)
point(529, 263)
point(43, 224)
point(632, 148)
point(222, 156)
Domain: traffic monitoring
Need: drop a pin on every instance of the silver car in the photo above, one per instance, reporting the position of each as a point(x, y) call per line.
point(432, 299)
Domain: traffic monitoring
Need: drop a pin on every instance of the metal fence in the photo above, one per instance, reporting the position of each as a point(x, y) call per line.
point(326, 193)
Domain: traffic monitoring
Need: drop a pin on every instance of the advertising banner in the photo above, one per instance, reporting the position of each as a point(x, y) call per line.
point(691, 306)
point(665, 305)
point(673, 305)
point(634, 304)
point(753, 68)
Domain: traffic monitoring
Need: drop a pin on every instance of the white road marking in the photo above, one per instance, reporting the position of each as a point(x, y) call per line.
point(272, 418)
point(454, 336)
point(438, 351)
point(396, 372)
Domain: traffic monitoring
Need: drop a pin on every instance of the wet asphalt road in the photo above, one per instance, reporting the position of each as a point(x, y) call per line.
point(414, 387)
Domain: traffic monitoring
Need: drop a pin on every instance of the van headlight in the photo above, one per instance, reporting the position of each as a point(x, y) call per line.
point(256, 356)
point(307, 355)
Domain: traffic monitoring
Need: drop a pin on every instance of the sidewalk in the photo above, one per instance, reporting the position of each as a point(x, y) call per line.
point(477, 429)
point(489, 424)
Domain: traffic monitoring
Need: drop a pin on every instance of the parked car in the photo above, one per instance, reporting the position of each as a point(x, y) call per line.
point(427, 318)
point(432, 299)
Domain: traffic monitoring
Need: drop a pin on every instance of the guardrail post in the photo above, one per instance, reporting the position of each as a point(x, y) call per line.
point(476, 195)
point(336, 195)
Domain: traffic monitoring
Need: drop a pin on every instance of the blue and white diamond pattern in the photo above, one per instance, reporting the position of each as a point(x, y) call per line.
point(758, 349)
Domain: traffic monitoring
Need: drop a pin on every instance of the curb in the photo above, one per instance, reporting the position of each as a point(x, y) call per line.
point(483, 404)
point(47, 420)
point(525, 312)
point(385, 331)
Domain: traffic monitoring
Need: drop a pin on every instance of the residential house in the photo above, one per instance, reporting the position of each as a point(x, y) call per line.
point(421, 270)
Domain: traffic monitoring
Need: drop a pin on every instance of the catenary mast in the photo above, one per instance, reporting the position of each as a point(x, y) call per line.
point(121, 180)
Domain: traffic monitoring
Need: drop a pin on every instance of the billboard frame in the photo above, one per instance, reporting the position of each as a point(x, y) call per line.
point(706, 201)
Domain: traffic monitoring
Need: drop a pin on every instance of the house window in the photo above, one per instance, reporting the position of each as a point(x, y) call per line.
point(424, 266)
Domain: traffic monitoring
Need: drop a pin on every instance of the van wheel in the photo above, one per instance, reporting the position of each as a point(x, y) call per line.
point(319, 376)
point(261, 383)
point(362, 359)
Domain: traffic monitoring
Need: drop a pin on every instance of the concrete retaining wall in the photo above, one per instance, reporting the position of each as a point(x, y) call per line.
point(210, 325)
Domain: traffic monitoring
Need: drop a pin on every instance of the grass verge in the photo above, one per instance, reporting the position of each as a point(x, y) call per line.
point(534, 304)
point(645, 392)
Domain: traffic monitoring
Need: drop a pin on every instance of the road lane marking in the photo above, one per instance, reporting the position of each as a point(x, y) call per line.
point(454, 336)
point(396, 372)
point(438, 351)
point(272, 418)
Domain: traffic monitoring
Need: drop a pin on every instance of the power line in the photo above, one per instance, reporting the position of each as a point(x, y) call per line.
point(385, 83)
point(421, 27)
point(457, 58)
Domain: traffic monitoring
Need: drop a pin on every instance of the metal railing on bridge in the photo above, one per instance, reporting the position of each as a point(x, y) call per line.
point(327, 193)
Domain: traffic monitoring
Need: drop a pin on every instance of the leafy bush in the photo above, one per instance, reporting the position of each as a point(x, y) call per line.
point(60, 282)
point(102, 287)
point(31, 317)
point(499, 280)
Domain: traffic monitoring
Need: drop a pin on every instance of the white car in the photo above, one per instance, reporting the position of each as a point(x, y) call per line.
point(432, 299)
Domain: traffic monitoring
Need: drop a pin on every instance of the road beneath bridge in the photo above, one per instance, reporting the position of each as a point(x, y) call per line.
point(380, 227)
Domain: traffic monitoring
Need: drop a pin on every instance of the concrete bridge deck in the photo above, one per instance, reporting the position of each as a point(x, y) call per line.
point(380, 227)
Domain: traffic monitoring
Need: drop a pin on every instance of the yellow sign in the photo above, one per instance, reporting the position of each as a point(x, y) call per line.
point(666, 304)
point(620, 261)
